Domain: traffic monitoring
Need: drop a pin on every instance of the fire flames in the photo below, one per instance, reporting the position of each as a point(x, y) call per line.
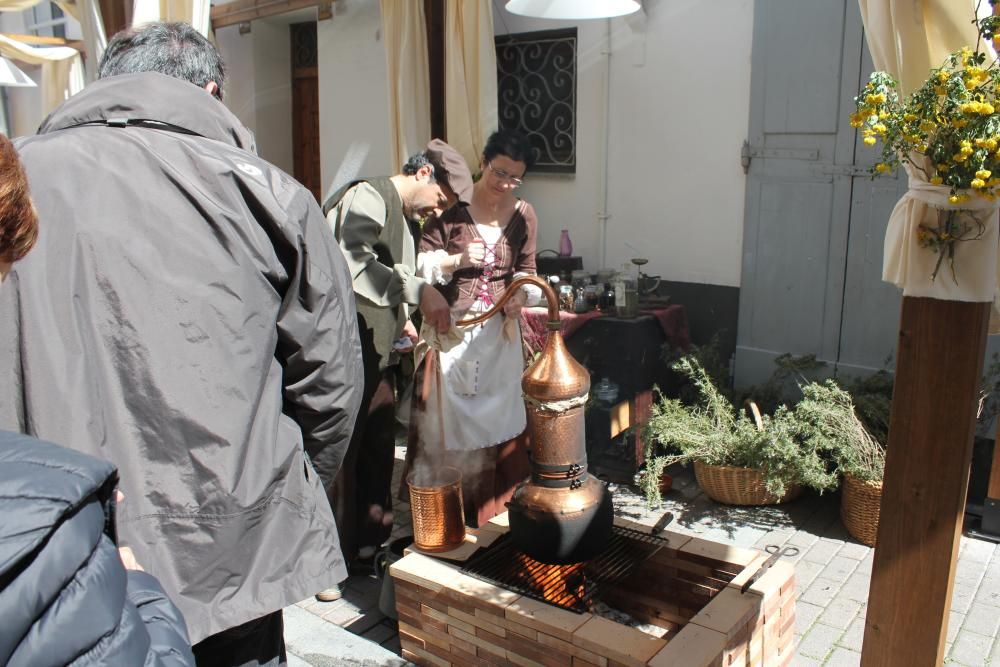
point(563, 585)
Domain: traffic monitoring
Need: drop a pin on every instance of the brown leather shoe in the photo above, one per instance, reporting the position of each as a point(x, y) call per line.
point(330, 595)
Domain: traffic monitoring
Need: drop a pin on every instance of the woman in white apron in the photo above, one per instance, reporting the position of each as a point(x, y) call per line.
point(469, 411)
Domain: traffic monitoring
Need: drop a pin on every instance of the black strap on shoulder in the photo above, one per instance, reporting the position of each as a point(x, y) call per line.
point(125, 121)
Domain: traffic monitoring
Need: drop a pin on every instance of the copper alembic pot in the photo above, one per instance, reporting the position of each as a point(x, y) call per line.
point(561, 513)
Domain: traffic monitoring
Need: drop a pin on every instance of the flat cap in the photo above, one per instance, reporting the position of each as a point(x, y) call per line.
point(451, 168)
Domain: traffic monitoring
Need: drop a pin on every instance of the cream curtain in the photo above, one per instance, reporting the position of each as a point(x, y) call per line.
point(470, 76)
point(405, 38)
point(17, 5)
point(88, 13)
point(195, 12)
point(62, 69)
point(907, 38)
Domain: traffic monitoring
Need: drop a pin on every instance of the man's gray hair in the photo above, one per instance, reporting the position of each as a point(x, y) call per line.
point(174, 49)
point(416, 161)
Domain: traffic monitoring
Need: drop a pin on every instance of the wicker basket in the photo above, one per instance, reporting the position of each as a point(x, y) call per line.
point(739, 486)
point(860, 502)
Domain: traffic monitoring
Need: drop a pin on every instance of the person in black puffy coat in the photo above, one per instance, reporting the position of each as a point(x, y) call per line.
point(65, 597)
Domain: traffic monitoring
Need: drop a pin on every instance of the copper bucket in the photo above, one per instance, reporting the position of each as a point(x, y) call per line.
point(436, 504)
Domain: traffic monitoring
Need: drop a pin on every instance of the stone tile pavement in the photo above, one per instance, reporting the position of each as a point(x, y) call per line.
point(832, 574)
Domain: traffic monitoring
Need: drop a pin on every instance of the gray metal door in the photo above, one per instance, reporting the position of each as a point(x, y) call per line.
point(815, 221)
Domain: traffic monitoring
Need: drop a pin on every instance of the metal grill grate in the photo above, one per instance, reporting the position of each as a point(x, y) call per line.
point(574, 587)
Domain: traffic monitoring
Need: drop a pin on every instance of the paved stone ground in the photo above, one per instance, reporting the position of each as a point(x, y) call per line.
point(832, 573)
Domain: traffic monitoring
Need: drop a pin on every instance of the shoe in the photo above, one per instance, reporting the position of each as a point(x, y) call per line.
point(330, 594)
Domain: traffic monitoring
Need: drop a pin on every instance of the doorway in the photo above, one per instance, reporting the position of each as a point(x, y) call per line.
point(305, 107)
point(815, 220)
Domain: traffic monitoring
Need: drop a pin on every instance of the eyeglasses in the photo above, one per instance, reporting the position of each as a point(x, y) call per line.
point(504, 176)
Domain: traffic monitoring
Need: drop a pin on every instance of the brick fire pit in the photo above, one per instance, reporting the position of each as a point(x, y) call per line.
point(689, 590)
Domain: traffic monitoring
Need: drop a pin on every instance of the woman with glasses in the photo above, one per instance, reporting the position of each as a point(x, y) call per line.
point(470, 413)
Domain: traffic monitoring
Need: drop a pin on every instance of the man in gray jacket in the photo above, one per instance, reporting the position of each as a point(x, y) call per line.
point(187, 315)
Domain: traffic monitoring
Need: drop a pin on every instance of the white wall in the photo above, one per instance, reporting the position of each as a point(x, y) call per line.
point(273, 93)
point(353, 94)
point(239, 92)
point(680, 97)
point(259, 85)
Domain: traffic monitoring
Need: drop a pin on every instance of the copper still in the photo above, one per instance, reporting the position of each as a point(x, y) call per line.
point(561, 513)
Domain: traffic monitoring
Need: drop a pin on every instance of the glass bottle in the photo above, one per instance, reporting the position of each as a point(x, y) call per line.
point(580, 302)
point(627, 303)
point(565, 245)
point(606, 303)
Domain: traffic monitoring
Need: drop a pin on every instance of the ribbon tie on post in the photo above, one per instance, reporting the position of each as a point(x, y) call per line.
point(922, 272)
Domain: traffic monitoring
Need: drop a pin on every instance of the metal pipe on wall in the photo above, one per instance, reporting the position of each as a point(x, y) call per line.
point(603, 215)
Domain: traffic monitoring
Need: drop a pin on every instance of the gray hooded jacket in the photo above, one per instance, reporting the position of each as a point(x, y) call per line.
point(188, 316)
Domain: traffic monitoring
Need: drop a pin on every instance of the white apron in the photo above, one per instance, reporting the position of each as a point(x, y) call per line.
point(477, 397)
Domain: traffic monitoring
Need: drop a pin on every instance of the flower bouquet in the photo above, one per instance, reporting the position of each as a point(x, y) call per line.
point(948, 130)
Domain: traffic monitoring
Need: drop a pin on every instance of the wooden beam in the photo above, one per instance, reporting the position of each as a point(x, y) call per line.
point(37, 40)
point(993, 488)
point(434, 20)
point(939, 363)
point(248, 10)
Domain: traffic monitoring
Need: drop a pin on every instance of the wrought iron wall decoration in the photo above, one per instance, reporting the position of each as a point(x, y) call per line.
point(536, 86)
point(304, 51)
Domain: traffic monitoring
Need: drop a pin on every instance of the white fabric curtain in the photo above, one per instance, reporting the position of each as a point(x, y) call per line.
point(88, 13)
point(195, 12)
point(470, 77)
point(405, 38)
point(62, 69)
point(17, 5)
point(907, 38)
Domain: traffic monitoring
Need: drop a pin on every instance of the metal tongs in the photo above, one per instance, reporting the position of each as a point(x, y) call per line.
point(776, 553)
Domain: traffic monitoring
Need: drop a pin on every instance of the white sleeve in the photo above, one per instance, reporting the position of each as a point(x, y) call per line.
point(533, 292)
point(429, 267)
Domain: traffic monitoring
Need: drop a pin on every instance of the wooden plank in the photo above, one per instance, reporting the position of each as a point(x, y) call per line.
point(993, 489)
point(939, 362)
point(116, 15)
point(248, 10)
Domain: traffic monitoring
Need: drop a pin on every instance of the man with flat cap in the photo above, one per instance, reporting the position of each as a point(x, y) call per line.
point(377, 222)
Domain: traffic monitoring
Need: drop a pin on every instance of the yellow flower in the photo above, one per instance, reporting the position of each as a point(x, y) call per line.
point(882, 168)
point(943, 167)
point(959, 157)
point(909, 117)
point(878, 128)
point(936, 180)
point(978, 183)
point(984, 174)
point(927, 126)
point(939, 90)
point(869, 141)
point(954, 199)
point(991, 143)
point(943, 75)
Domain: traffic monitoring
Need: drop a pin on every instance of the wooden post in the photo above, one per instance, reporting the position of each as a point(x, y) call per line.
point(938, 368)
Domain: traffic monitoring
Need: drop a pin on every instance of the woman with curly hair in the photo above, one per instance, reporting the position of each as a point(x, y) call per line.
point(18, 220)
